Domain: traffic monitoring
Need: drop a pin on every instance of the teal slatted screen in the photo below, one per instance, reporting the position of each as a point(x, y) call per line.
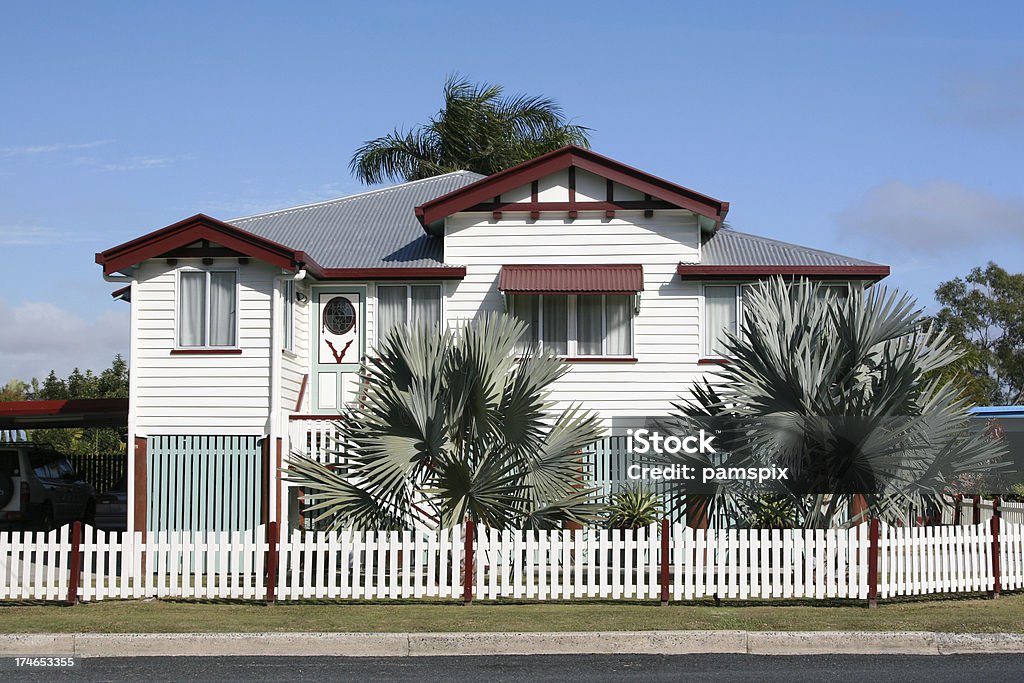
point(203, 483)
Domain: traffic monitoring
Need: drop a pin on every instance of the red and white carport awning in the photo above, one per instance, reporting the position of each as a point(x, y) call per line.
point(572, 279)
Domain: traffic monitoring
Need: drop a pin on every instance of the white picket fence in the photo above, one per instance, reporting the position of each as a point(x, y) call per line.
point(536, 565)
point(732, 563)
point(371, 564)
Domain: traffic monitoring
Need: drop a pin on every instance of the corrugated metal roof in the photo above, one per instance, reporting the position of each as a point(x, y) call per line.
point(604, 279)
point(727, 247)
point(375, 229)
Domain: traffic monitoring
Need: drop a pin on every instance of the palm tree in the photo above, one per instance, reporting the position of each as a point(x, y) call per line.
point(476, 130)
point(451, 426)
point(844, 393)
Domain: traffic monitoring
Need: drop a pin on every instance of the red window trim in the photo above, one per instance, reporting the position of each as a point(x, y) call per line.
point(206, 352)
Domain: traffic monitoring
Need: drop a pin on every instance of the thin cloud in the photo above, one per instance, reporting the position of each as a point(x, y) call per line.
point(989, 99)
point(932, 219)
point(30, 150)
point(39, 336)
point(254, 202)
point(144, 163)
point(28, 233)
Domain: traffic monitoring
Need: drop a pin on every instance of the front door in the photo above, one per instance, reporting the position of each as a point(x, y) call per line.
point(339, 332)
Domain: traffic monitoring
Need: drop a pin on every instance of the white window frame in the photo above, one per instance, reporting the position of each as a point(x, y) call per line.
point(572, 348)
point(288, 290)
point(408, 303)
point(206, 308)
point(705, 351)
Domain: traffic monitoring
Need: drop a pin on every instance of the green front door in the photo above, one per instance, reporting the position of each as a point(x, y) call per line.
point(339, 337)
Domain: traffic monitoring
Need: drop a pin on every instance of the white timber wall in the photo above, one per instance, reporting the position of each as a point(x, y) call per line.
point(666, 339)
point(295, 363)
point(201, 394)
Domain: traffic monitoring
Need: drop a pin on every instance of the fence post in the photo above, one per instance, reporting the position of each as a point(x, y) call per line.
point(873, 535)
point(664, 561)
point(958, 512)
point(467, 569)
point(273, 539)
point(995, 521)
point(76, 567)
point(977, 510)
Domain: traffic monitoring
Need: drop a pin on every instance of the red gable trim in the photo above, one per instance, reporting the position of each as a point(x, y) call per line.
point(423, 273)
point(568, 157)
point(865, 272)
point(200, 227)
point(579, 279)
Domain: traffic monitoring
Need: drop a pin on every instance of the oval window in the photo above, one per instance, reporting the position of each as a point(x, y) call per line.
point(339, 315)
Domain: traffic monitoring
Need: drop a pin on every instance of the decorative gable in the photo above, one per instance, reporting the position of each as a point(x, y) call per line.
point(571, 180)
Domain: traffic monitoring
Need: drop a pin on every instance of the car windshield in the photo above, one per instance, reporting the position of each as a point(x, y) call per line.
point(48, 464)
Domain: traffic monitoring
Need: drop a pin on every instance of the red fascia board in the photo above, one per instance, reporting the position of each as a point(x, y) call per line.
point(424, 273)
point(81, 406)
point(698, 271)
point(193, 229)
point(492, 186)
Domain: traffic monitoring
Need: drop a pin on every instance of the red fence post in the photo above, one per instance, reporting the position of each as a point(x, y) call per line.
point(664, 562)
point(958, 512)
point(996, 583)
point(273, 539)
point(467, 570)
point(873, 563)
point(977, 510)
point(76, 562)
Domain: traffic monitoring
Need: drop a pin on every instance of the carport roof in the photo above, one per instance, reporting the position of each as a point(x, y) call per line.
point(82, 412)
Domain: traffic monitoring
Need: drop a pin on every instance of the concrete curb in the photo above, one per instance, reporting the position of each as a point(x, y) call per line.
point(448, 644)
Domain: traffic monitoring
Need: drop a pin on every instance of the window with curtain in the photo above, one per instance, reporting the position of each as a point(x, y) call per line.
point(526, 308)
point(412, 304)
point(575, 325)
point(207, 308)
point(721, 315)
point(604, 325)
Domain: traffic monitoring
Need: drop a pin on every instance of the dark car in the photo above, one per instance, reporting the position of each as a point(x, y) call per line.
point(112, 507)
point(40, 489)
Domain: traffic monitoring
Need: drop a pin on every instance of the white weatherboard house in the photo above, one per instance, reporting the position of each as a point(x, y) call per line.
point(246, 335)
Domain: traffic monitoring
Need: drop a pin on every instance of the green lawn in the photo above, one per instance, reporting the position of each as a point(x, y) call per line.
point(1005, 614)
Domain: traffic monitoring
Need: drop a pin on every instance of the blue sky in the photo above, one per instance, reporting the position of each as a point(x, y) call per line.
point(892, 133)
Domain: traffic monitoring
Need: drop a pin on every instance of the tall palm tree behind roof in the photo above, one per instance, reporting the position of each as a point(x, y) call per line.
point(477, 130)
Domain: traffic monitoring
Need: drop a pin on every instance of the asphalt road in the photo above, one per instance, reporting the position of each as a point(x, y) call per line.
point(589, 668)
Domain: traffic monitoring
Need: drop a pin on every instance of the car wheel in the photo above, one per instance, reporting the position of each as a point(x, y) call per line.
point(90, 513)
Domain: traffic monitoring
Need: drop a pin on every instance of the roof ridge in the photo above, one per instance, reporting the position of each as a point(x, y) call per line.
point(339, 200)
point(760, 238)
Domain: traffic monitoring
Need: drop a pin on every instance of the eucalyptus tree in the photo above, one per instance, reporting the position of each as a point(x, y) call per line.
point(478, 129)
point(847, 394)
point(451, 426)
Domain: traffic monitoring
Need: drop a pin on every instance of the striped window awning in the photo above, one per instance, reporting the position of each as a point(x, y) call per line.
point(572, 279)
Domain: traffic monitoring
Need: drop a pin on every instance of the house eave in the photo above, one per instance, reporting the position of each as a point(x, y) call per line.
point(705, 272)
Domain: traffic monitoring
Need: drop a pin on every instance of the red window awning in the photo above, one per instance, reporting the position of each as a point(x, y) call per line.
point(572, 279)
